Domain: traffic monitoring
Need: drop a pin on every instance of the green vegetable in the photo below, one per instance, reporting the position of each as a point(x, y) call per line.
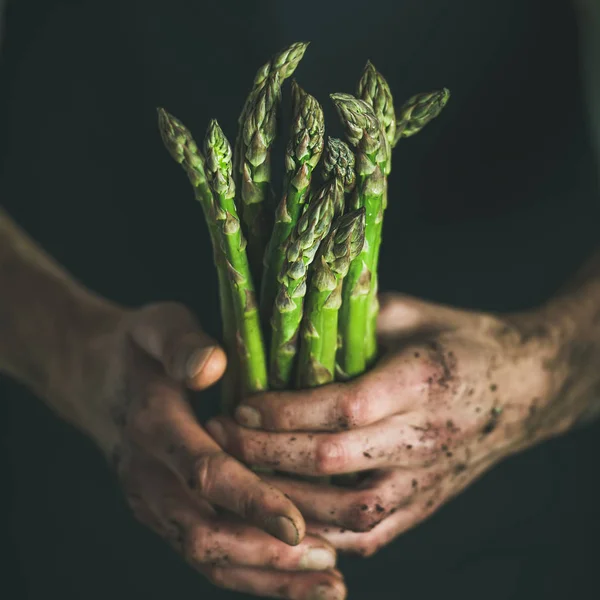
point(313, 226)
point(364, 132)
point(375, 91)
point(339, 165)
point(182, 147)
point(303, 152)
point(320, 324)
point(419, 110)
point(250, 346)
point(256, 134)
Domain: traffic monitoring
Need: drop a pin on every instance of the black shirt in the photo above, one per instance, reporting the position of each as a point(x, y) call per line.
point(491, 207)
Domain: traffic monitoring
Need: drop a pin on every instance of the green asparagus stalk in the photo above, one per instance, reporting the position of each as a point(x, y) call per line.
point(182, 147)
point(364, 132)
point(339, 166)
point(284, 63)
point(313, 226)
point(319, 334)
point(413, 117)
point(256, 133)
point(418, 111)
point(250, 344)
point(297, 94)
point(375, 91)
point(303, 152)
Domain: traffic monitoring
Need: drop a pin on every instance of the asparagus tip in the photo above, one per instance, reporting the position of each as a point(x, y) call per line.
point(339, 161)
point(218, 159)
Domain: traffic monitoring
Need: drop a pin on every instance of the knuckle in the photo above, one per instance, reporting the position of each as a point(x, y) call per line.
point(331, 456)
point(353, 408)
point(206, 468)
point(250, 503)
point(405, 310)
point(366, 513)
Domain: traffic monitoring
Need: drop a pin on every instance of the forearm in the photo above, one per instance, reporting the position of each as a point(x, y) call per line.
point(568, 327)
point(46, 317)
point(571, 320)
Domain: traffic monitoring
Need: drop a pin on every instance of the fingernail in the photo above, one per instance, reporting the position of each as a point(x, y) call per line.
point(324, 592)
point(197, 361)
point(283, 528)
point(217, 431)
point(318, 559)
point(248, 416)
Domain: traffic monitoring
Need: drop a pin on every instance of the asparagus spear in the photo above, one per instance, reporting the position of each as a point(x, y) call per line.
point(249, 336)
point(375, 91)
point(298, 94)
point(318, 344)
point(302, 155)
point(413, 117)
point(419, 110)
point(182, 147)
point(284, 62)
point(256, 133)
point(364, 132)
point(313, 226)
point(339, 165)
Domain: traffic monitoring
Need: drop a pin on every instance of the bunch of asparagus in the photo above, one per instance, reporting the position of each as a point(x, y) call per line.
point(297, 274)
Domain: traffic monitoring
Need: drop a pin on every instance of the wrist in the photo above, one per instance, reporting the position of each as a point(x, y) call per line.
point(567, 346)
point(79, 351)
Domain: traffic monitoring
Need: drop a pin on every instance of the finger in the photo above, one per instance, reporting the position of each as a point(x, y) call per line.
point(359, 508)
point(394, 442)
point(203, 537)
point(425, 503)
point(274, 584)
point(165, 426)
point(226, 542)
point(401, 315)
point(396, 385)
point(368, 543)
point(170, 334)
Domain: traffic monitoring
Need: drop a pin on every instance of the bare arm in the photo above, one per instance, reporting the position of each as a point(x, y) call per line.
point(45, 315)
point(570, 326)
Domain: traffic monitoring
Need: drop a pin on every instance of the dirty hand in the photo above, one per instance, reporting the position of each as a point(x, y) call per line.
point(225, 521)
point(454, 393)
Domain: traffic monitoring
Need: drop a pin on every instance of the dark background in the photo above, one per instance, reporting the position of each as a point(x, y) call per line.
point(492, 207)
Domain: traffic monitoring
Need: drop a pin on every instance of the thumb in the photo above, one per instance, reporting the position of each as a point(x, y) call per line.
point(171, 334)
point(402, 315)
